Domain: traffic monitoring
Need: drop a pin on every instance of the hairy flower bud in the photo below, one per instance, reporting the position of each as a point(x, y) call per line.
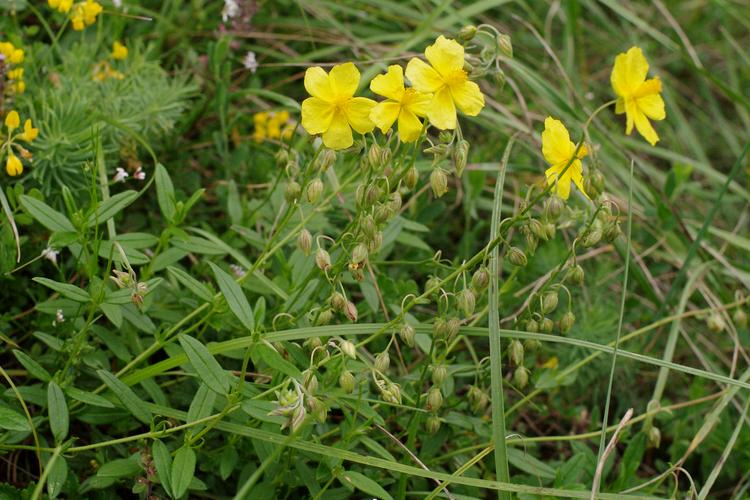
point(433, 283)
point(467, 32)
point(317, 409)
point(292, 192)
point(452, 328)
point(438, 182)
point(715, 322)
point(382, 362)
point(369, 228)
point(374, 156)
point(460, 156)
point(575, 275)
point(326, 159)
point(549, 302)
point(439, 374)
point(359, 254)
point(481, 279)
point(347, 381)
point(611, 232)
point(310, 381)
point(338, 301)
point(517, 257)
point(351, 312)
point(547, 325)
point(281, 157)
point(478, 399)
point(432, 424)
point(515, 352)
point(504, 45)
point(553, 207)
point(531, 344)
point(532, 326)
point(434, 399)
point(304, 241)
point(740, 318)
point(440, 328)
point(313, 343)
point(348, 348)
point(322, 259)
point(395, 202)
point(411, 178)
point(567, 321)
point(372, 194)
point(654, 437)
point(466, 301)
point(592, 237)
point(407, 334)
point(537, 229)
point(374, 244)
point(324, 317)
point(521, 377)
point(314, 190)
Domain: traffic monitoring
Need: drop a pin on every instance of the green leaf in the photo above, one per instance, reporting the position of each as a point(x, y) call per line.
point(196, 244)
point(192, 284)
point(125, 394)
point(35, 369)
point(164, 192)
point(121, 467)
point(88, 398)
point(364, 483)
point(163, 463)
point(65, 289)
point(208, 369)
point(111, 207)
point(183, 469)
point(57, 476)
point(273, 359)
point(46, 215)
point(59, 420)
point(202, 405)
point(529, 464)
point(13, 421)
point(234, 296)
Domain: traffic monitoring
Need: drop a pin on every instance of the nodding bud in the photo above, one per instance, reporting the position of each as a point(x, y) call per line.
point(597, 179)
point(504, 45)
point(359, 195)
point(374, 244)
point(281, 157)
point(547, 325)
point(438, 182)
point(477, 399)
point(575, 275)
point(324, 317)
point(467, 32)
point(440, 328)
point(374, 156)
point(432, 285)
point(481, 279)
point(347, 381)
point(654, 437)
point(322, 259)
point(715, 322)
point(439, 374)
point(531, 344)
point(466, 301)
point(382, 213)
point(553, 207)
point(531, 243)
point(359, 254)
point(338, 301)
point(453, 326)
point(515, 352)
point(549, 302)
point(314, 190)
point(348, 348)
point(326, 159)
point(521, 377)
point(592, 237)
point(611, 232)
point(351, 312)
point(395, 201)
point(382, 362)
point(432, 424)
point(313, 343)
point(368, 226)
point(372, 194)
point(407, 334)
point(411, 178)
point(460, 156)
point(310, 381)
point(391, 393)
point(740, 318)
point(317, 409)
point(517, 257)
point(532, 326)
point(536, 228)
point(385, 156)
point(434, 399)
point(293, 191)
point(567, 321)
point(498, 75)
point(304, 241)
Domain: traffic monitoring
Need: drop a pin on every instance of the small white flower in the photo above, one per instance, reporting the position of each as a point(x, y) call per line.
point(139, 174)
point(237, 270)
point(249, 62)
point(117, 3)
point(231, 9)
point(50, 254)
point(59, 317)
point(121, 175)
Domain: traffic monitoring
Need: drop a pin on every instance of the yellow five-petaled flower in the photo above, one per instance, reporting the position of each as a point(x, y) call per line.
point(447, 80)
point(637, 97)
point(402, 104)
point(559, 150)
point(333, 110)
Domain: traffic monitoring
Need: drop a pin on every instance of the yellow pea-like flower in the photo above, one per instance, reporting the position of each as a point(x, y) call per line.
point(29, 132)
point(61, 5)
point(402, 104)
point(84, 14)
point(13, 165)
point(559, 150)
point(12, 121)
point(333, 111)
point(637, 97)
point(16, 57)
point(447, 80)
point(119, 51)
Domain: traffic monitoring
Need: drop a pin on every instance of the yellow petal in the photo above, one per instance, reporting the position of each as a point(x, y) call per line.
point(344, 79)
point(629, 72)
point(416, 102)
point(384, 114)
point(620, 106)
point(652, 106)
point(422, 76)
point(649, 87)
point(644, 127)
point(631, 108)
point(468, 97)
point(576, 175)
point(316, 115)
point(12, 120)
point(445, 55)
point(29, 132)
point(317, 84)
point(339, 134)
point(409, 126)
point(442, 112)
point(391, 84)
point(560, 182)
point(555, 142)
point(13, 165)
point(357, 112)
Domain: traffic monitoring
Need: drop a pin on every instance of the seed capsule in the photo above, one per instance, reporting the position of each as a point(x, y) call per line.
point(432, 424)
point(532, 326)
point(547, 325)
point(740, 318)
point(324, 317)
point(517, 257)
point(310, 381)
point(453, 327)
point(553, 207)
point(440, 328)
point(549, 302)
point(654, 437)
point(567, 322)
point(314, 190)
point(575, 275)
point(304, 241)
point(438, 182)
point(434, 399)
point(515, 352)
point(322, 259)
point(407, 334)
point(504, 45)
point(460, 156)
point(382, 362)
point(351, 312)
point(348, 348)
point(359, 254)
point(466, 301)
point(338, 301)
point(481, 278)
point(439, 374)
point(521, 377)
point(715, 322)
point(467, 32)
point(347, 381)
point(292, 192)
point(369, 228)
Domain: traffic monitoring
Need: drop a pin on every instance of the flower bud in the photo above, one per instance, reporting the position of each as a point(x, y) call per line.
point(567, 321)
point(395, 202)
point(438, 182)
point(537, 229)
point(385, 157)
point(715, 322)
point(356, 271)
point(547, 325)
point(452, 328)
point(498, 76)
point(359, 254)
point(372, 194)
point(351, 312)
point(531, 344)
point(531, 243)
point(407, 334)
point(549, 302)
point(460, 156)
point(597, 179)
point(432, 424)
point(439, 374)
point(382, 362)
point(391, 393)
point(374, 244)
point(317, 409)
point(411, 178)
point(434, 399)
point(467, 32)
point(382, 213)
point(293, 191)
point(517, 257)
point(347, 381)
point(515, 352)
point(654, 437)
point(611, 232)
point(314, 190)
point(338, 301)
point(440, 328)
point(575, 275)
point(326, 159)
point(322, 259)
point(481, 278)
point(304, 241)
point(740, 318)
point(374, 156)
point(310, 381)
point(553, 207)
point(359, 195)
point(369, 228)
point(549, 230)
point(348, 348)
point(281, 157)
point(466, 301)
point(324, 317)
point(477, 399)
point(432, 284)
point(504, 45)
point(592, 237)
point(313, 343)
point(521, 377)
point(532, 326)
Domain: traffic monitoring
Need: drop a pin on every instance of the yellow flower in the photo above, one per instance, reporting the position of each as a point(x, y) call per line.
point(119, 51)
point(16, 57)
point(6, 49)
point(84, 14)
point(12, 121)
point(558, 150)
point(15, 74)
point(637, 97)
point(402, 104)
point(13, 166)
point(447, 80)
point(333, 110)
point(29, 132)
point(260, 118)
point(61, 5)
point(18, 86)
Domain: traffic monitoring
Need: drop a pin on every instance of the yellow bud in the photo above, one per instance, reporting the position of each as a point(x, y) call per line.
point(13, 166)
point(12, 121)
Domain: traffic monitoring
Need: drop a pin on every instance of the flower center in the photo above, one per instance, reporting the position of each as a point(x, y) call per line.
point(456, 77)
